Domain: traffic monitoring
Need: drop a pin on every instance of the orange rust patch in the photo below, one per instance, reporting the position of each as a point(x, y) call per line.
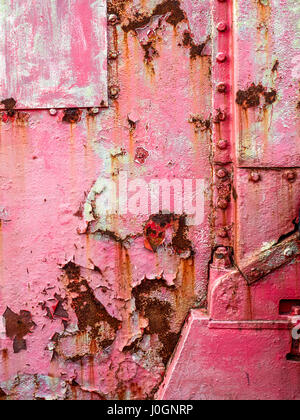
point(72, 115)
point(251, 97)
point(155, 232)
point(137, 19)
point(17, 327)
point(90, 312)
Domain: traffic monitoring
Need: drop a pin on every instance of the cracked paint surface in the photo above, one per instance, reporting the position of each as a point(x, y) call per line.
point(103, 301)
point(108, 308)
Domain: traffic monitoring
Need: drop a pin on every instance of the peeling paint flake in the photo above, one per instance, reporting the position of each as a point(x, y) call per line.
point(17, 327)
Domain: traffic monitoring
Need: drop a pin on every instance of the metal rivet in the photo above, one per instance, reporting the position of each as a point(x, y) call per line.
point(113, 55)
point(151, 34)
point(221, 57)
point(254, 176)
point(222, 233)
point(114, 92)
point(222, 203)
point(221, 173)
point(113, 19)
point(221, 87)
point(52, 111)
point(290, 176)
point(219, 116)
point(221, 26)
point(222, 144)
point(221, 252)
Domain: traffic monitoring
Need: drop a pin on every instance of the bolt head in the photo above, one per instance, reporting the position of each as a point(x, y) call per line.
point(221, 173)
point(254, 176)
point(221, 252)
point(113, 19)
point(221, 57)
point(151, 34)
point(113, 55)
point(222, 204)
point(95, 110)
point(222, 144)
point(222, 233)
point(114, 92)
point(221, 26)
point(220, 116)
point(290, 176)
point(221, 87)
point(52, 111)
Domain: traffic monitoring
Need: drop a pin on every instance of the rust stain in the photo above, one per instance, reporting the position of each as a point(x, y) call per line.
point(4, 353)
point(159, 313)
point(196, 50)
point(155, 232)
point(91, 314)
point(2, 395)
point(17, 327)
point(140, 20)
point(251, 97)
point(72, 115)
point(200, 123)
point(180, 241)
point(9, 105)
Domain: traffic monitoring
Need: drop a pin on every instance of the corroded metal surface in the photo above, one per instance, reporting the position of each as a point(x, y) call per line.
point(204, 91)
point(107, 299)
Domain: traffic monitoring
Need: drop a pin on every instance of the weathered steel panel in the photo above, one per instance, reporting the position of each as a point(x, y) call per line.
point(94, 292)
point(53, 54)
point(268, 206)
point(267, 82)
point(107, 294)
point(246, 344)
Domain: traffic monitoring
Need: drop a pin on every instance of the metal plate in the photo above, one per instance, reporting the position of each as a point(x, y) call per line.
point(53, 53)
point(267, 77)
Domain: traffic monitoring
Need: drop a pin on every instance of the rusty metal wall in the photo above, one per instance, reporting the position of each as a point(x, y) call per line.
point(93, 305)
point(88, 310)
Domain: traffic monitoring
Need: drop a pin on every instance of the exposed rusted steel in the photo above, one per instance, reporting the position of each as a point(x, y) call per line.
point(72, 115)
point(271, 259)
point(17, 327)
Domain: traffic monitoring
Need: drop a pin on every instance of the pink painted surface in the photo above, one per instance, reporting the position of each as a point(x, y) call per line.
point(267, 53)
point(232, 361)
point(53, 54)
point(107, 310)
point(93, 306)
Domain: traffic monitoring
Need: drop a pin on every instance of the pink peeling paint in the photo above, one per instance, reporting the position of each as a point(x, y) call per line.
point(106, 303)
point(54, 53)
